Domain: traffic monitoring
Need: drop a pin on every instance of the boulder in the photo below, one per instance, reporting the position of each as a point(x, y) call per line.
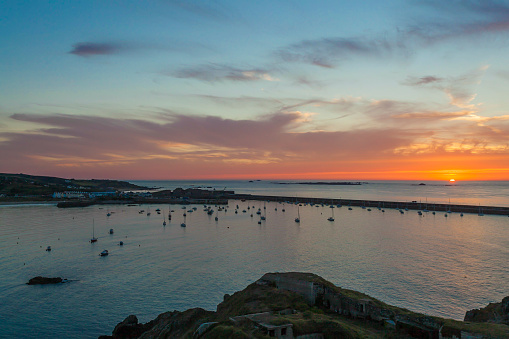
point(44, 280)
point(129, 328)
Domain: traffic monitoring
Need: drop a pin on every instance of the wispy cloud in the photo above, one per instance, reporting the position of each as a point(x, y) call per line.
point(459, 89)
point(327, 52)
point(425, 80)
point(467, 19)
point(88, 49)
point(217, 72)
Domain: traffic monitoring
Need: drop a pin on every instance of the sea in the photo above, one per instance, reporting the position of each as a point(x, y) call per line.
point(429, 263)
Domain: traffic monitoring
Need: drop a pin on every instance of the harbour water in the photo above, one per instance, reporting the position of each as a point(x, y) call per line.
point(433, 264)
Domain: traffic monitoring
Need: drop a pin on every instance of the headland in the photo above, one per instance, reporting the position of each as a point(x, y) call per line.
point(305, 306)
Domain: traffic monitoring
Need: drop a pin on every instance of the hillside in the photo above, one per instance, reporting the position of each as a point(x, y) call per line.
point(30, 185)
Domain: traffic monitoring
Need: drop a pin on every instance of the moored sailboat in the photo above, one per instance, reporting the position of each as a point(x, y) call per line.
point(94, 239)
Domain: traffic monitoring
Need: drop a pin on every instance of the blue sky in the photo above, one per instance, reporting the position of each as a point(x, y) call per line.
point(228, 89)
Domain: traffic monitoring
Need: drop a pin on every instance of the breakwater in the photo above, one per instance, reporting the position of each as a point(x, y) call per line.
point(414, 205)
point(381, 204)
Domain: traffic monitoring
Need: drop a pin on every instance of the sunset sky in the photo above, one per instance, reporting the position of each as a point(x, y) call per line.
point(175, 89)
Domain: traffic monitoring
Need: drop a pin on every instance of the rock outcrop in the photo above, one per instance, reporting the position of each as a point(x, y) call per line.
point(44, 280)
point(497, 313)
point(167, 325)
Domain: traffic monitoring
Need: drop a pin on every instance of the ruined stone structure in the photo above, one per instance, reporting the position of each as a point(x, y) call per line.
point(319, 294)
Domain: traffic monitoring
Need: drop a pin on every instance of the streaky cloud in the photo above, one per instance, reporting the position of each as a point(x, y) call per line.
point(88, 49)
point(429, 79)
point(326, 52)
point(217, 72)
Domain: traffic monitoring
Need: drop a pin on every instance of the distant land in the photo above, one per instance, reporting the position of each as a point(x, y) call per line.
point(323, 183)
point(37, 186)
point(304, 305)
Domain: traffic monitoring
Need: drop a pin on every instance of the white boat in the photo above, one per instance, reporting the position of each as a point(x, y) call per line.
point(104, 253)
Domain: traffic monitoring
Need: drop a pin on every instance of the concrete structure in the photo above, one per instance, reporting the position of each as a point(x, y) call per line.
point(262, 321)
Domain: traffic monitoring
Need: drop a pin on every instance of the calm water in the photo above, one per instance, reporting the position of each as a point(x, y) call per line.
point(433, 264)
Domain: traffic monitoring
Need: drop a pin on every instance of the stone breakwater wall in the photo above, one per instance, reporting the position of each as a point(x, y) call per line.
point(382, 204)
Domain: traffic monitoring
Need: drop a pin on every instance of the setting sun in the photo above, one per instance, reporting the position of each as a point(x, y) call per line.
point(452, 180)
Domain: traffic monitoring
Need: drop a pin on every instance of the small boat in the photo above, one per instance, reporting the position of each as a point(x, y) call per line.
point(94, 239)
point(298, 215)
point(331, 218)
point(121, 243)
point(104, 253)
point(111, 230)
point(183, 224)
point(108, 214)
point(48, 249)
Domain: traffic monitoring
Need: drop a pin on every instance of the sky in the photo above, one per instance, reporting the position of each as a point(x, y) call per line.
point(335, 90)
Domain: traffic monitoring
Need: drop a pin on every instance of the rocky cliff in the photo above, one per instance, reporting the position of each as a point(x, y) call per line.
point(497, 313)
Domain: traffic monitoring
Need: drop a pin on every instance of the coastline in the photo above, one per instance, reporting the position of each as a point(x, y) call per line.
point(10, 203)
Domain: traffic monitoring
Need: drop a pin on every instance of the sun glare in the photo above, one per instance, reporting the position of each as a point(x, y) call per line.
point(452, 180)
